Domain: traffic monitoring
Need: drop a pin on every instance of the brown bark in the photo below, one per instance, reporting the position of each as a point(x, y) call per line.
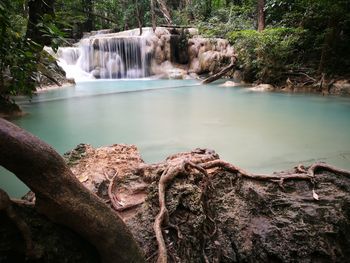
point(153, 14)
point(138, 16)
point(62, 198)
point(165, 11)
point(261, 15)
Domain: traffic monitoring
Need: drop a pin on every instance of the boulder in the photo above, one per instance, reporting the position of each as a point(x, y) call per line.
point(238, 76)
point(96, 73)
point(231, 84)
point(263, 87)
point(209, 61)
point(341, 87)
point(195, 66)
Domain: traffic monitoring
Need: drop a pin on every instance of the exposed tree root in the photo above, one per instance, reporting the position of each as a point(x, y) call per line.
point(180, 164)
point(62, 198)
point(185, 187)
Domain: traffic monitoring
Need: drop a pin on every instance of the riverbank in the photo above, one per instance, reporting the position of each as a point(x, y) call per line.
point(9, 109)
point(339, 87)
point(217, 211)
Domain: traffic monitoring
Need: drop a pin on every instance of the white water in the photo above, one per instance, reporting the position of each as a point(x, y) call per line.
point(106, 56)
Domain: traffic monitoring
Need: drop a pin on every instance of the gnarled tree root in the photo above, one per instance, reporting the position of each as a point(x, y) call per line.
point(62, 198)
point(179, 166)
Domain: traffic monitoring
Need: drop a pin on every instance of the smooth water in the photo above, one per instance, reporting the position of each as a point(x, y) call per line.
point(261, 132)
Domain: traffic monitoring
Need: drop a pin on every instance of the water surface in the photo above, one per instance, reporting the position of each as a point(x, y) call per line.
point(261, 132)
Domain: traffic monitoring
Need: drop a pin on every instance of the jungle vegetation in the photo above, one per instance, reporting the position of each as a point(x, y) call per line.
point(272, 37)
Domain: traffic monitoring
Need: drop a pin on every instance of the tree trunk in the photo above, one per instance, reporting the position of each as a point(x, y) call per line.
point(154, 22)
point(138, 16)
point(220, 73)
point(62, 198)
point(165, 11)
point(261, 15)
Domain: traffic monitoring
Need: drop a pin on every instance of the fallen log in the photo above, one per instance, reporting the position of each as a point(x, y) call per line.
point(62, 198)
point(221, 73)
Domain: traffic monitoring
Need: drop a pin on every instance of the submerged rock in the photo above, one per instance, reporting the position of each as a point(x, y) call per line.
point(230, 83)
point(263, 87)
point(341, 87)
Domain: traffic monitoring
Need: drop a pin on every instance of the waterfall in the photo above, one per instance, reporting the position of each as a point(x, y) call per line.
point(107, 56)
point(163, 52)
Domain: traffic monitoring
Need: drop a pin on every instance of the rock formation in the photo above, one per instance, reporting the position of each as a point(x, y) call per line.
point(212, 211)
point(223, 214)
point(172, 53)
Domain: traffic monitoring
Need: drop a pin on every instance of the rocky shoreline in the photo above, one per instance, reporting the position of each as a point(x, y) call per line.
point(340, 87)
point(225, 217)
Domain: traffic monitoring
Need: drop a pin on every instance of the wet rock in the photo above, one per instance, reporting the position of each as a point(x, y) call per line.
point(181, 47)
point(341, 87)
point(96, 73)
point(195, 66)
point(238, 76)
point(263, 87)
point(176, 74)
point(231, 84)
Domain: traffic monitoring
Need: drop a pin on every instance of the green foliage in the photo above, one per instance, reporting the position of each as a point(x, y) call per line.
point(17, 59)
point(267, 55)
point(312, 33)
point(20, 58)
point(48, 27)
point(225, 20)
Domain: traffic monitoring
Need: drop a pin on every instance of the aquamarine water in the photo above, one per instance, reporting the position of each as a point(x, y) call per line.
point(261, 132)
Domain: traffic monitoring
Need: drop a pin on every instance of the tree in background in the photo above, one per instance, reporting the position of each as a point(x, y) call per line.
point(261, 15)
point(88, 10)
point(25, 28)
point(322, 28)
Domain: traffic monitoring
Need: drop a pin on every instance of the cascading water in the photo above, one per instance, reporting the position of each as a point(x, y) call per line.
point(106, 56)
point(128, 55)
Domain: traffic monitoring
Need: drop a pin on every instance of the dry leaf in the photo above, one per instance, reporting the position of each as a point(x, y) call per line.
point(314, 195)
